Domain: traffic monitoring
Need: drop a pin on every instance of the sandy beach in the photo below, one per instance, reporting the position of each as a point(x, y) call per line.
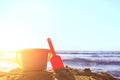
point(66, 73)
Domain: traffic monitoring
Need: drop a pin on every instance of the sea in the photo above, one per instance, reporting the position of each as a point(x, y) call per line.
point(97, 61)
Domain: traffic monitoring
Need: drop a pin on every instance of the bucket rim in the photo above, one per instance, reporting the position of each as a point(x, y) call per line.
point(33, 49)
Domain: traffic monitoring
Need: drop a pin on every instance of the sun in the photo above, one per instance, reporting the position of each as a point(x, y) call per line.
point(11, 44)
point(13, 34)
point(12, 40)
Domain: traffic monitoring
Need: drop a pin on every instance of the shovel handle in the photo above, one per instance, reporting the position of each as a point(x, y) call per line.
point(51, 46)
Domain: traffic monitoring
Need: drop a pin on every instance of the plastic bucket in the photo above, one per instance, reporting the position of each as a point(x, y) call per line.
point(32, 59)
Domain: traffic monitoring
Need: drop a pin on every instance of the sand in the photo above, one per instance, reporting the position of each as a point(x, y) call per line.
point(66, 73)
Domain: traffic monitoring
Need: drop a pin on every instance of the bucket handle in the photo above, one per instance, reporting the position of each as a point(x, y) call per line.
point(18, 59)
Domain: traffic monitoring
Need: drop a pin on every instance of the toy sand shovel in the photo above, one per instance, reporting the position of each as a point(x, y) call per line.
point(56, 60)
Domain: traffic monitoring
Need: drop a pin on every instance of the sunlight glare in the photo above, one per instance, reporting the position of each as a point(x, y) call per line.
point(12, 34)
point(5, 66)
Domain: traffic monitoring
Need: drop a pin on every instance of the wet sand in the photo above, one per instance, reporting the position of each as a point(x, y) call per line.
point(66, 73)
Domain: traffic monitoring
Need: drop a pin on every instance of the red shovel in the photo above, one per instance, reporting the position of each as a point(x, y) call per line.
point(56, 60)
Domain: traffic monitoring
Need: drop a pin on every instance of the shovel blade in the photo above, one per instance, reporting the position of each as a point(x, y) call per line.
point(56, 62)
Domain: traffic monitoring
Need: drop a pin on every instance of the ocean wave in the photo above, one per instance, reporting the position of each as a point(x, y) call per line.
point(88, 52)
point(97, 61)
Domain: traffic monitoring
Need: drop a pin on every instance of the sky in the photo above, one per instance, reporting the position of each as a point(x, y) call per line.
point(71, 24)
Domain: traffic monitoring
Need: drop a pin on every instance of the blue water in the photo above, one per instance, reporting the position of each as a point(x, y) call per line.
point(105, 61)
